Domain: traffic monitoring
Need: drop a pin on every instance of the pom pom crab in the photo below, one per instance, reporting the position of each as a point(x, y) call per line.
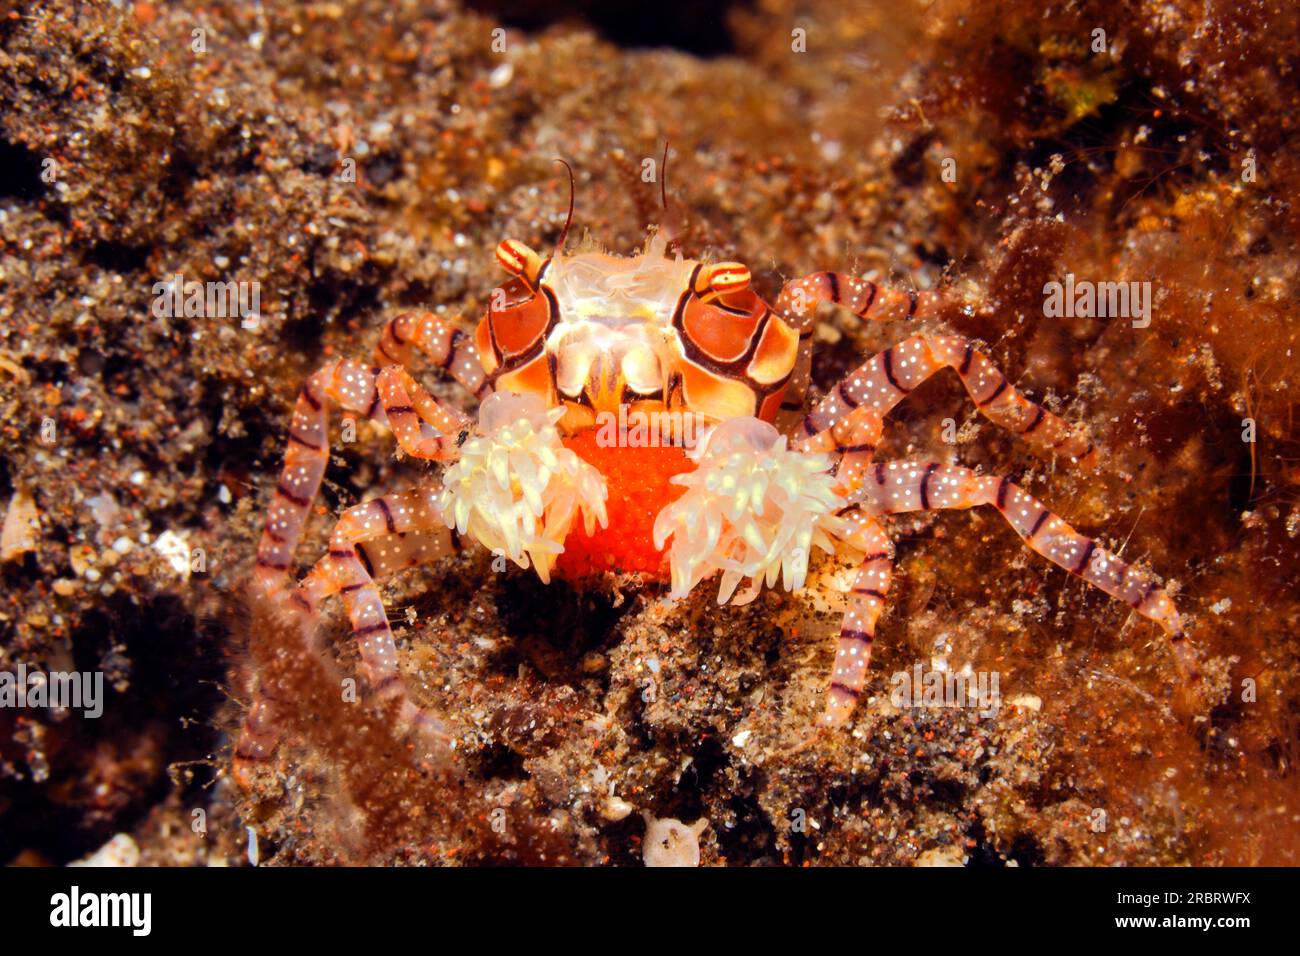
point(568, 340)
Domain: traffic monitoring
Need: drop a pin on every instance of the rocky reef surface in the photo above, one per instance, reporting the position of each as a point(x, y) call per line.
point(359, 159)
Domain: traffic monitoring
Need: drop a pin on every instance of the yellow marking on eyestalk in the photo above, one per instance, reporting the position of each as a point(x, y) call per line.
point(723, 277)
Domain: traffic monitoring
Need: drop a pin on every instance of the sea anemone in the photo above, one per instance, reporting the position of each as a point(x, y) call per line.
point(753, 508)
point(516, 489)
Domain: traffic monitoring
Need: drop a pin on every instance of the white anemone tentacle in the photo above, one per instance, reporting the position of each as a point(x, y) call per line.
point(753, 508)
point(516, 489)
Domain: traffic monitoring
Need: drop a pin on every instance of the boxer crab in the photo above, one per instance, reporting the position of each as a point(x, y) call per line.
point(569, 338)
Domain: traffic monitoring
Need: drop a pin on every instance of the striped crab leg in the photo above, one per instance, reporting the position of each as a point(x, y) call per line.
point(897, 487)
point(797, 305)
point(866, 602)
point(409, 407)
point(851, 439)
point(258, 738)
point(445, 346)
point(352, 386)
point(351, 567)
point(355, 388)
point(372, 542)
point(887, 378)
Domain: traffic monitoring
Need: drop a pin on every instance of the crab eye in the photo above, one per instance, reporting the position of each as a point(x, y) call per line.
point(517, 259)
point(722, 278)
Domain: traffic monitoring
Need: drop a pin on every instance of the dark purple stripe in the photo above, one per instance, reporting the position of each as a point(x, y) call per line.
point(871, 299)
point(1038, 420)
point(887, 360)
point(925, 485)
point(965, 362)
point(290, 496)
point(388, 515)
point(298, 439)
point(1002, 387)
point(1087, 555)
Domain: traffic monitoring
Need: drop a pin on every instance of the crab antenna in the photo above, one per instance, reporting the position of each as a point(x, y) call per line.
point(663, 177)
point(670, 228)
point(564, 233)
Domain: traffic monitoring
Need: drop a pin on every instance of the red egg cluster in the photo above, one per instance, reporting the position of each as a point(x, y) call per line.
point(638, 483)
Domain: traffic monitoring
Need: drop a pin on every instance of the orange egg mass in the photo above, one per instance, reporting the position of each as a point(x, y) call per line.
point(637, 479)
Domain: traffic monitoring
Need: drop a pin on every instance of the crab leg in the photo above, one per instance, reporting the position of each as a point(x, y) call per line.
point(886, 379)
point(258, 737)
point(897, 487)
point(866, 602)
point(356, 562)
point(853, 439)
point(409, 406)
point(352, 386)
point(446, 346)
point(797, 305)
point(351, 568)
